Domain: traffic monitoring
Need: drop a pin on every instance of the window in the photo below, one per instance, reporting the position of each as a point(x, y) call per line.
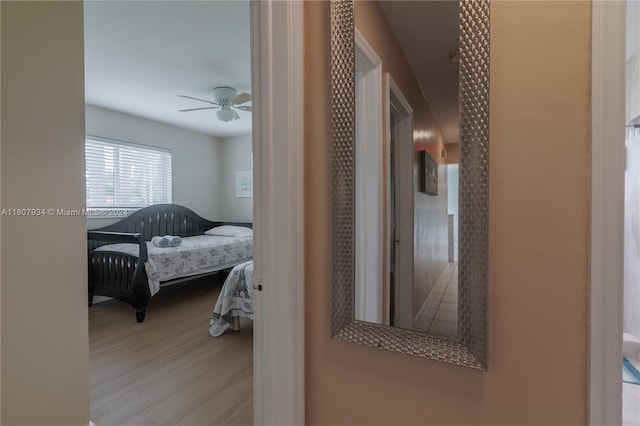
point(126, 175)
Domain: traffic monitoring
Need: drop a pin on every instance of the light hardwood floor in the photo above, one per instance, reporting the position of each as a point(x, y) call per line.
point(168, 371)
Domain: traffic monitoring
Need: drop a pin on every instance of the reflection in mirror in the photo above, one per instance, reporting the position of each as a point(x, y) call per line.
point(410, 221)
point(369, 175)
point(400, 205)
point(406, 193)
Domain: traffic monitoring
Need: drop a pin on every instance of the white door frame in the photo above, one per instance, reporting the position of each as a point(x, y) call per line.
point(277, 37)
point(404, 200)
point(370, 193)
point(607, 211)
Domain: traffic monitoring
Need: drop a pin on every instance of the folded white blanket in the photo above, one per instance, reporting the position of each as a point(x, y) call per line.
point(166, 241)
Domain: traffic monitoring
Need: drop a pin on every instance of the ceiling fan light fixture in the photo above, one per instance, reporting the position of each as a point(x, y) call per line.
point(224, 95)
point(226, 98)
point(227, 114)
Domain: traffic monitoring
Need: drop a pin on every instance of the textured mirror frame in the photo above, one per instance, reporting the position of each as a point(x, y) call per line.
point(470, 349)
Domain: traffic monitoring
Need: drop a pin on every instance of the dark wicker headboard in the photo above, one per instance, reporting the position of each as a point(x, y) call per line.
point(165, 219)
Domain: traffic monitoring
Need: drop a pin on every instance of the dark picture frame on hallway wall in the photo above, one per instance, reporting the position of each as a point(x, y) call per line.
point(428, 174)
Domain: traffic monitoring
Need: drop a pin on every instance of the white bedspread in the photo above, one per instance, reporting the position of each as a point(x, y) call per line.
point(236, 299)
point(196, 255)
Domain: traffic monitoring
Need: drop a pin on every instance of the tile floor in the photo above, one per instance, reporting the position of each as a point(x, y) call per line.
point(440, 313)
point(631, 401)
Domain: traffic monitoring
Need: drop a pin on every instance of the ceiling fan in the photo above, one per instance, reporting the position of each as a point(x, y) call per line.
point(225, 98)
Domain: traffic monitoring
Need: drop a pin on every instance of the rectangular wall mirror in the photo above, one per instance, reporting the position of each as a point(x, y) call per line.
point(410, 177)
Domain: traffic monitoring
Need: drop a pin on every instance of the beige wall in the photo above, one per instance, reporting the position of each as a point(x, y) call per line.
point(430, 212)
point(538, 260)
point(453, 153)
point(44, 302)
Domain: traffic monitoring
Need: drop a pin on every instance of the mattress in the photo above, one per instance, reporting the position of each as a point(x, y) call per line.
point(196, 255)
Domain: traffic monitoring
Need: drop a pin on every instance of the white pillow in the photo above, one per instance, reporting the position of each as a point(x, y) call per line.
point(230, 231)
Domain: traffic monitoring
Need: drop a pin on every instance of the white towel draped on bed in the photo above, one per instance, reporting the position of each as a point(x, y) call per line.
point(236, 299)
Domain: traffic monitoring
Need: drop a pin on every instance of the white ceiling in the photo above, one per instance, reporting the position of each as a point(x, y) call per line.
point(140, 54)
point(428, 33)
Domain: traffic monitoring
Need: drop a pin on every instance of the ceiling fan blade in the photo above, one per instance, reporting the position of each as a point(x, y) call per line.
point(235, 115)
point(244, 108)
point(241, 98)
point(196, 99)
point(196, 109)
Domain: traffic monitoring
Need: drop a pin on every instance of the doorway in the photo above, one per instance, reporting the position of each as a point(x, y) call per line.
point(278, 213)
point(154, 87)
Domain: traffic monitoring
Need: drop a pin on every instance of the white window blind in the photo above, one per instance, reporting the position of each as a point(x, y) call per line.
point(122, 174)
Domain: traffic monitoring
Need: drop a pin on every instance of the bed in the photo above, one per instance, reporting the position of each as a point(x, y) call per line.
point(235, 300)
point(125, 265)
